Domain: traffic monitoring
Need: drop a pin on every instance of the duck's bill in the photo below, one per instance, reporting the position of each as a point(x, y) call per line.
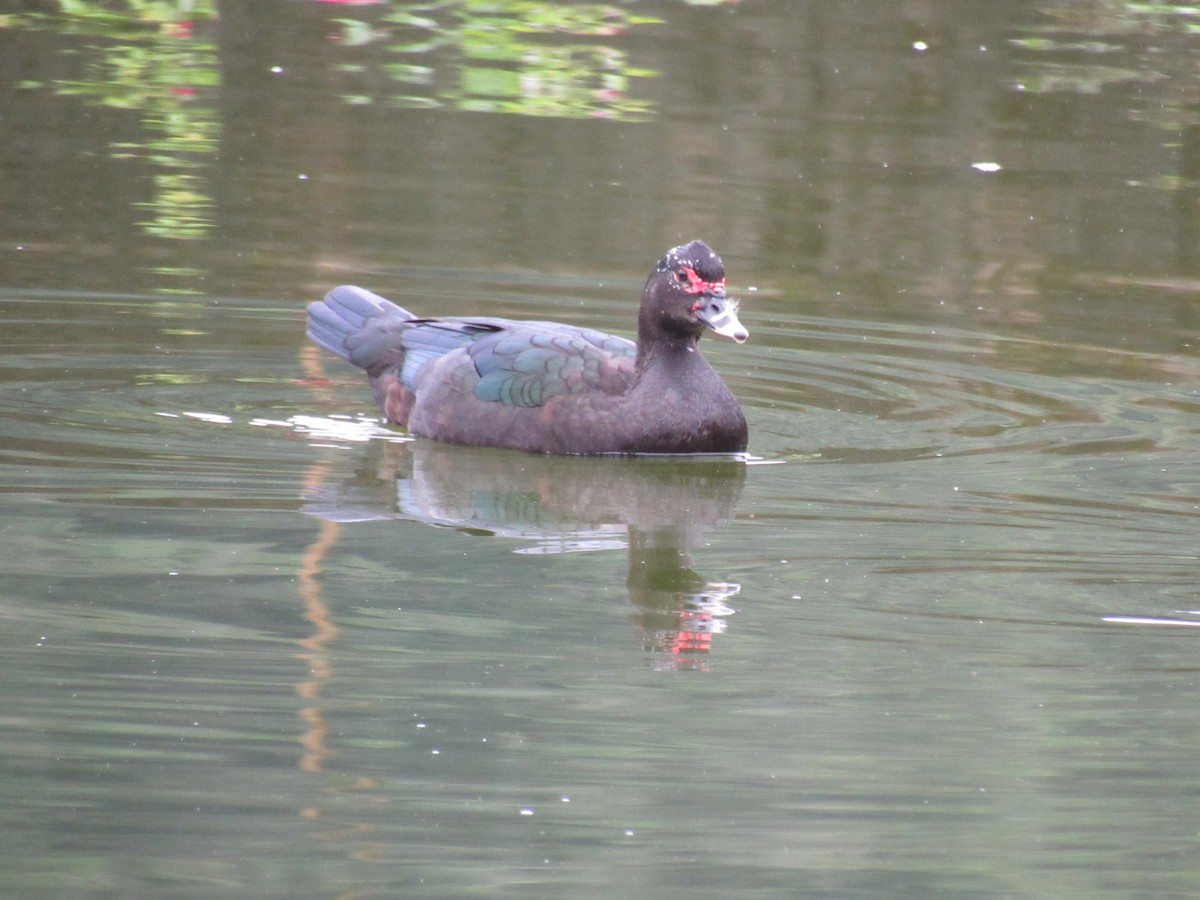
point(720, 314)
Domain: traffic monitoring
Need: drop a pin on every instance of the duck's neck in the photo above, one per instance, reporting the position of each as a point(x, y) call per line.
point(667, 352)
point(669, 363)
point(661, 338)
point(659, 344)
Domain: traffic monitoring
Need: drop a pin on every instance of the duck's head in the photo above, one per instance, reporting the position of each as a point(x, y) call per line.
point(685, 294)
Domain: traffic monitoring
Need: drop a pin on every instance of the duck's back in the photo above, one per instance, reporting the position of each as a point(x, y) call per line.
point(482, 381)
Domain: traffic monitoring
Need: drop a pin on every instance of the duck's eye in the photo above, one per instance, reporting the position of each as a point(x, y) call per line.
point(681, 276)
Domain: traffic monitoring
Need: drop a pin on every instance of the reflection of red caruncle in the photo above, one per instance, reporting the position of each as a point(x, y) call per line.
point(179, 29)
point(691, 642)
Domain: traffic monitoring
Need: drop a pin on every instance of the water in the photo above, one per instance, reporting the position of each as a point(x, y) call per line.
point(934, 638)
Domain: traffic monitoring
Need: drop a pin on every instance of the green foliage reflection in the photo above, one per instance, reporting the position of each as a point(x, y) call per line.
point(1086, 48)
point(509, 56)
point(147, 56)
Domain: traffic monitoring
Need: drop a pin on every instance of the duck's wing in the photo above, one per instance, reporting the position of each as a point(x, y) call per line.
point(527, 363)
point(518, 363)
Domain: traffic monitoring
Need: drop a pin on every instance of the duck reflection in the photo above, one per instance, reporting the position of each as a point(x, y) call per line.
point(657, 508)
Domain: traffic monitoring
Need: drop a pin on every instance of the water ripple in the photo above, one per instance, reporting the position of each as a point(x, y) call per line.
point(853, 391)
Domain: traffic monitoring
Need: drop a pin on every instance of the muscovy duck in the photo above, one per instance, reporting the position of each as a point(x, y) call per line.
point(547, 387)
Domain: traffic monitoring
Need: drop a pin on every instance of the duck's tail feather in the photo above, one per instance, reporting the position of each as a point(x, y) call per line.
point(345, 311)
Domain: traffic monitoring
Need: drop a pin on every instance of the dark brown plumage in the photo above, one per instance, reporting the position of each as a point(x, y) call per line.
point(549, 387)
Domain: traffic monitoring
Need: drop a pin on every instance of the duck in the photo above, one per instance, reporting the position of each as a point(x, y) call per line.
point(549, 387)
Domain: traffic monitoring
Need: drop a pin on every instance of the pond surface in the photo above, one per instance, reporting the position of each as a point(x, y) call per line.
point(935, 637)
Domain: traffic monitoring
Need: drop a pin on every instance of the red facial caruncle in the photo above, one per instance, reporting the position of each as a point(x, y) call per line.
point(697, 285)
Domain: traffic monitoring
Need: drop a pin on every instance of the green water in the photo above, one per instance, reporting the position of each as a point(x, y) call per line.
point(934, 638)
